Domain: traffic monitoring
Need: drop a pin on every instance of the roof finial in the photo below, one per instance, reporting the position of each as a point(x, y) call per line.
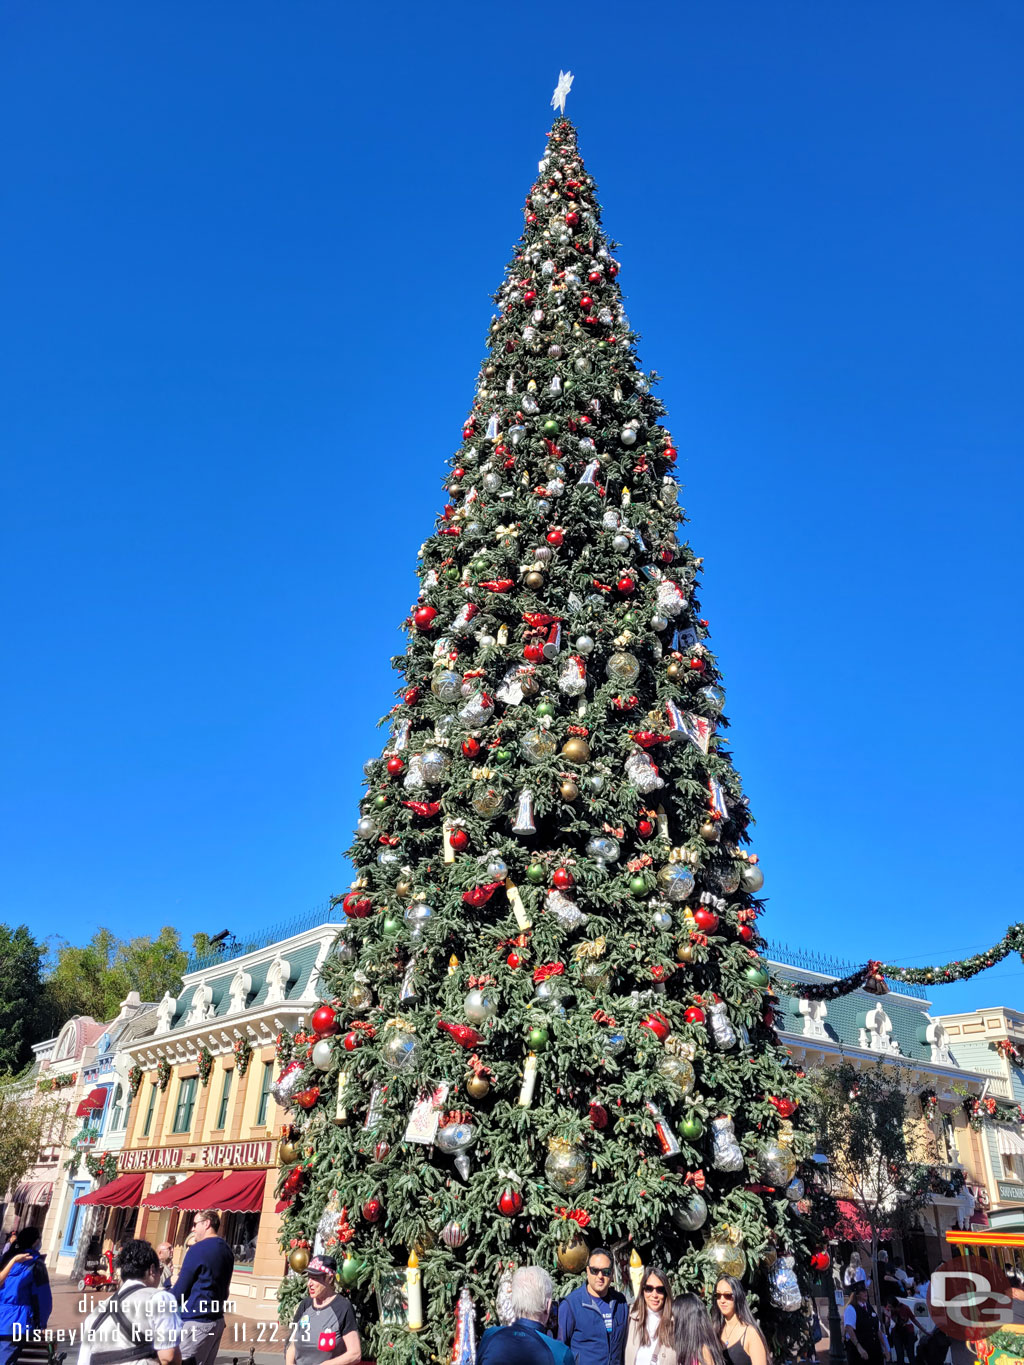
point(561, 90)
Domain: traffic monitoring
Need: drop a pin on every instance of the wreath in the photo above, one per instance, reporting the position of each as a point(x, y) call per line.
point(134, 1081)
point(102, 1167)
point(242, 1049)
point(205, 1065)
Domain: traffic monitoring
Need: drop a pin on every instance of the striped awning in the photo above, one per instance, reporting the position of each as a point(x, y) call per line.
point(33, 1192)
point(1009, 1140)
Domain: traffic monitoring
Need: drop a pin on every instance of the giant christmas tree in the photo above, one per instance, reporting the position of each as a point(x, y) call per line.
point(547, 1023)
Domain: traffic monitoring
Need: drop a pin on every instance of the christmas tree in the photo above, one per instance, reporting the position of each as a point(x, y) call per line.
point(547, 1024)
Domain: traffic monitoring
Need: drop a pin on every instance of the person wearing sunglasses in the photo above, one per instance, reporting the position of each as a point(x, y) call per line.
point(650, 1338)
point(592, 1319)
point(742, 1340)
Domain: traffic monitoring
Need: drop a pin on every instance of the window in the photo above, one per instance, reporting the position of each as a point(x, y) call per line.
point(117, 1115)
point(186, 1103)
point(268, 1076)
point(240, 1231)
point(149, 1110)
point(225, 1093)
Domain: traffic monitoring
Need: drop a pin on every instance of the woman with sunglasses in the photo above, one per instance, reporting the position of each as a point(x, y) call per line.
point(651, 1335)
point(741, 1338)
point(695, 1340)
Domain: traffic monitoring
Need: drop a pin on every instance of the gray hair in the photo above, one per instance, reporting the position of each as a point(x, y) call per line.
point(531, 1292)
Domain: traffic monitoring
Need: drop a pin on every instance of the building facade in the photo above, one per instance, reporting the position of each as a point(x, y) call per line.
point(202, 1127)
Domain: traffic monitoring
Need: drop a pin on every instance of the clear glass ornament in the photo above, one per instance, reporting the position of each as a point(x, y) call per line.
point(676, 882)
point(400, 1052)
point(565, 1167)
point(537, 745)
point(726, 1259)
point(677, 1071)
point(487, 801)
point(775, 1163)
point(622, 668)
point(446, 685)
point(604, 848)
point(434, 765)
point(692, 1213)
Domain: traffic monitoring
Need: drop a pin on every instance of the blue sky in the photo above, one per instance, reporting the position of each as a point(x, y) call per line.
point(247, 258)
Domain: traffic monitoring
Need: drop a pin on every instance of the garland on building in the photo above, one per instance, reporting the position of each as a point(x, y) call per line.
point(163, 1073)
point(205, 1065)
point(283, 1047)
point(102, 1167)
point(59, 1082)
point(242, 1049)
point(1010, 1052)
point(134, 1081)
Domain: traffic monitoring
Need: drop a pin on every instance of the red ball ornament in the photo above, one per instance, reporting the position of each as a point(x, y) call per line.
point(694, 1015)
point(423, 617)
point(594, 277)
point(657, 1024)
point(324, 1021)
point(514, 960)
point(746, 933)
point(626, 585)
point(670, 454)
point(292, 1180)
point(562, 878)
point(529, 295)
point(586, 303)
point(821, 1260)
point(372, 1210)
point(645, 828)
point(395, 765)
point(697, 665)
point(786, 1107)
point(351, 1041)
point(355, 905)
point(572, 219)
point(305, 1099)
point(533, 653)
point(458, 839)
point(598, 1115)
point(470, 747)
point(531, 218)
point(510, 1203)
point(705, 920)
point(613, 270)
point(555, 537)
point(412, 696)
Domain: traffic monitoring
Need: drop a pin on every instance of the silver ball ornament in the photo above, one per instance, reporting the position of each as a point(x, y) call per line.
point(584, 644)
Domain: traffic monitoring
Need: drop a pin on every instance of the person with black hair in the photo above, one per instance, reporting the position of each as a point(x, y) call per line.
point(139, 1322)
point(735, 1326)
point(25, 1299)
point(651, 1336)
point(865, 1342)
point(592, 1318)
point(695, 1339)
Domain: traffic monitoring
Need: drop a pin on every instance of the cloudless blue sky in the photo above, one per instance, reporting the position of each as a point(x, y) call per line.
point(247, 258)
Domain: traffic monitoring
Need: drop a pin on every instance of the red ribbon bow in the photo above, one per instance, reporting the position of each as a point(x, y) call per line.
point(548, 969)
point(576, 1216)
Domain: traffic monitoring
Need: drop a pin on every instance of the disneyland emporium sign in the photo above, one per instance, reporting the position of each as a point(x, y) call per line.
point(211, 1156)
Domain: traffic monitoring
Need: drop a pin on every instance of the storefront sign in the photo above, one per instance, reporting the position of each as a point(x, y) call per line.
point(212, 1155)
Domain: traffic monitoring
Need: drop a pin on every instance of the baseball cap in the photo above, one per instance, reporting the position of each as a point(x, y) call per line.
point(322, 1265)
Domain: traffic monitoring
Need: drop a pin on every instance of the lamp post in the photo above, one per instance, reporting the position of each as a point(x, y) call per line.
point(836, 1348)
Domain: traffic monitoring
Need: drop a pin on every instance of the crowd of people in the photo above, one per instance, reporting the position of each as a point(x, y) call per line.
point(179, 1319)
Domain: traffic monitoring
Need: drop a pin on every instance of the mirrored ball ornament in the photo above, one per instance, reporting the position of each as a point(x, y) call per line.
point(692, 1213)
point(480, 1005)
point(604, 849)
point(537, 745)
point(366, 827)
point(622, 668)
point(434, 764)
point(446, 685)
point(676, 882)
point(416, 917)
point(400, 1052)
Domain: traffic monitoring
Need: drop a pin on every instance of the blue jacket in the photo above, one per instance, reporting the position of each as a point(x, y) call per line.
point(25, 1296)
point(522, 1343)
point(581, 1327)
point(203, 1285)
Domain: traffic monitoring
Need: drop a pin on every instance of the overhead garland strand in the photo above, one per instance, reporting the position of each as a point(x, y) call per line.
point(871, 977)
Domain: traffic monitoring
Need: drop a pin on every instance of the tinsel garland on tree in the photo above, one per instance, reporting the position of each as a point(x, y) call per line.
point(548, 1022)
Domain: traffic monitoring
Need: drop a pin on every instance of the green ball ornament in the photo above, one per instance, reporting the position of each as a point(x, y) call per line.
point(638, 886)
point(756, 976)
point(535, 874)
point(351, 1269)
point(478, 565)
point(501, 756)
point(550, 427)
point(546, 708)
point(690, 1126)
point(380, 801)
point(537, 1039)
point(391, 926)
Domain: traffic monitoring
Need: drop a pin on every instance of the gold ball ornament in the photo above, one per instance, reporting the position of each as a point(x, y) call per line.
point(298, 1259)
point(576, 749)
point(709, 831)
point(424, 1241)
point(569, 791)
point(674, 670)
point(403, 887)
point(684, 953)
point(573, 1255)
point(534, 579)
point(288, 1152)
point(477, 1087)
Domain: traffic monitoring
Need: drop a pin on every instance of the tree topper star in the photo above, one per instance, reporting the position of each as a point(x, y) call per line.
point(561, 90)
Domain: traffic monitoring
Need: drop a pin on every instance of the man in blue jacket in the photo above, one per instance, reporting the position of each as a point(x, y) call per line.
point(202, 1288)
point(524, 1342)
point(592, 1319)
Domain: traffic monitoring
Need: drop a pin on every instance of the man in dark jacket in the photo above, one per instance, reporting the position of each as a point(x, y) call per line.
point(592, 1319)
point(202, 1288)
point(525, 1342)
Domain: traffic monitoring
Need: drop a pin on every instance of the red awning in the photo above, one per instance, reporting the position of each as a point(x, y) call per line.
point(242, 1192)
point(122, 1193)
point(851, 1227)
point(188, 1193)
point(95, 1100)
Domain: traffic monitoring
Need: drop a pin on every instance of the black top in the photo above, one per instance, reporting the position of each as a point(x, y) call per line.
point(736, 1354)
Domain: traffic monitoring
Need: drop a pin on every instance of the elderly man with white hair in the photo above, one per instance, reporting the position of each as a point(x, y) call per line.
point(525, 1342)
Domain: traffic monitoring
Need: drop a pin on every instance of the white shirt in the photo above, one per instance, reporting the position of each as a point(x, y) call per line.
point(645, 1354)
point(153, 1312)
